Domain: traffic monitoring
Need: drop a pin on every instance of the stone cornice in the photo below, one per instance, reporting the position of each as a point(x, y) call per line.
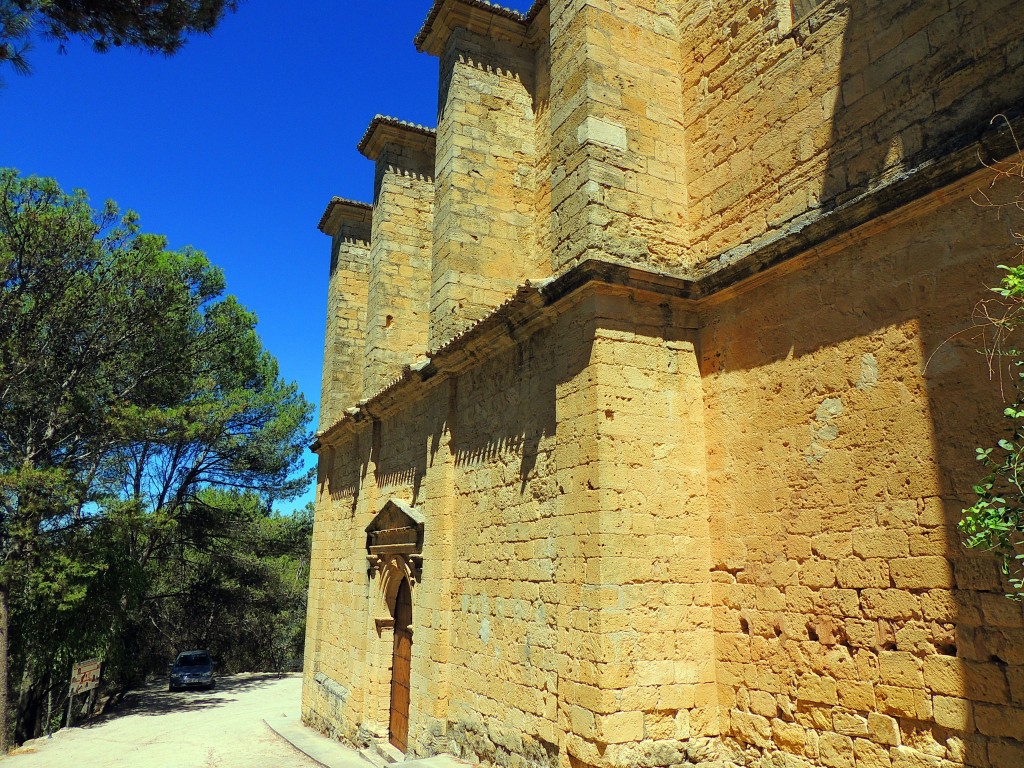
point(477, 16)
point(533, 306)
point(385, 130)
point(340, 210)
point(535, 9)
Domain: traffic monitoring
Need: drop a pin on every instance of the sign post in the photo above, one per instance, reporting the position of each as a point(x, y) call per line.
point(85, 676)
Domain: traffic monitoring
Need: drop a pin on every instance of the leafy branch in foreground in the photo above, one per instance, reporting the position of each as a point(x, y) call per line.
point(995, 521)
point(155, 26)
point(15, 33)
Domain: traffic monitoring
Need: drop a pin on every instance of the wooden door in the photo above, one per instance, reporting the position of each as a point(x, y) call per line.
point(401, 658)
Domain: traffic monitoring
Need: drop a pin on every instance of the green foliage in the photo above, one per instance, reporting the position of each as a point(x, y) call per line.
point(158, 26)
point(97, 319)
point(995, 521)
point(243, 593)
point(15, 31)
point(145, 435)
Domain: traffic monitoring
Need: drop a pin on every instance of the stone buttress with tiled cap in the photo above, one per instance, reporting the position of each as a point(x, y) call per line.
point(397, 308)
point(348, 224)
point(487, 162)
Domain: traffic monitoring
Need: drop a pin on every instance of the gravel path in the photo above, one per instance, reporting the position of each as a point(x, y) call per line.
point(154, 728)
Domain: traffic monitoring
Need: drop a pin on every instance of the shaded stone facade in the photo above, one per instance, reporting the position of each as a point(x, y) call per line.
point(646, 385)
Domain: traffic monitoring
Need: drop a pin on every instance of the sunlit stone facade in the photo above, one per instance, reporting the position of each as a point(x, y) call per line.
point(646, 387)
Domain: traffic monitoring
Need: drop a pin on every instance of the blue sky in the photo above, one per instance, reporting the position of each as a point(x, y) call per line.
point(234, 145)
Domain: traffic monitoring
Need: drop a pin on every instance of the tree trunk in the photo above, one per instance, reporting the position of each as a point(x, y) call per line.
point(28, 721)
point(4, 632)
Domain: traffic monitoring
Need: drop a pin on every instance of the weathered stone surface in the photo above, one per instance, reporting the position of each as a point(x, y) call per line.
point(348, 224)
point(689, 497)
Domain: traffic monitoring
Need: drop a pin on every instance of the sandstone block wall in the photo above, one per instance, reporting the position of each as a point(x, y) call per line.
point(691, 501)
point(655, 523)
point(844, 402)
point(619, 181)
point(333, 681)
point(556, 614)
point(785, 120)
point(544, 226)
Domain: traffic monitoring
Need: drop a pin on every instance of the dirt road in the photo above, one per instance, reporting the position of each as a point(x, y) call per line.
point(154, 728)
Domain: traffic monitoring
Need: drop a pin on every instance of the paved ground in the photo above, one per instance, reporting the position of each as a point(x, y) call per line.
point(154, 728)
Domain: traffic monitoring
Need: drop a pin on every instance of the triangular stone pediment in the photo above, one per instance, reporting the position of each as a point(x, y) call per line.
point(397, 528)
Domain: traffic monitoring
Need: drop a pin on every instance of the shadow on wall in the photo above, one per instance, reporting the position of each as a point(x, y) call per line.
point(503, 412)
point(854, 480)
point(917, 80)
point(466, 49)
point(871, 400)
point(499, 416)
point(404, 446)
point(405, 163)
point(342, 471)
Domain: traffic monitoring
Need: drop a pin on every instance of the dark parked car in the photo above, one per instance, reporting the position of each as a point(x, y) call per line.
point(192, 669)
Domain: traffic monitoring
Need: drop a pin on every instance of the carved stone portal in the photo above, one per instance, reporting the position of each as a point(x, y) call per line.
point(396, 533)
point(394, 543)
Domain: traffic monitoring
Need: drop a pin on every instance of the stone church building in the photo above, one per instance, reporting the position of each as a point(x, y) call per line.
point(650, 397)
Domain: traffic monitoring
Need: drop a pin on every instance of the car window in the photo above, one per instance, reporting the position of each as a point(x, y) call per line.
point(193, 660)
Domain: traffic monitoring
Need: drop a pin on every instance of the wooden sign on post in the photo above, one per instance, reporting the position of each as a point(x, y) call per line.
point(85, 676)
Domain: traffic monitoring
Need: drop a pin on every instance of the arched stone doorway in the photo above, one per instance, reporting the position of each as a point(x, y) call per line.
point(394, 543)
point(401, 662)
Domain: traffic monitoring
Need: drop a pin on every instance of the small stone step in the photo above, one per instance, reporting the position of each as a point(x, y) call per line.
point(369, 754)
point(438, 761)
point(388, 752)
